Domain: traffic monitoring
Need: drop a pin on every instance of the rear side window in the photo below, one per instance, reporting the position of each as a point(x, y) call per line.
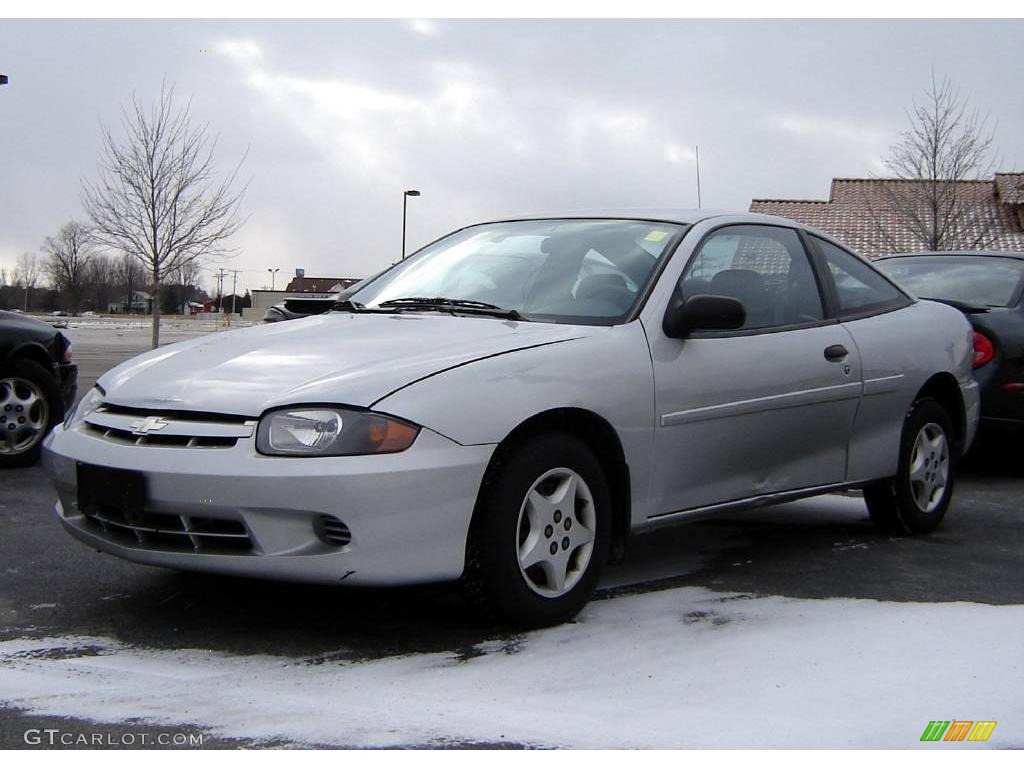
point(860, 289)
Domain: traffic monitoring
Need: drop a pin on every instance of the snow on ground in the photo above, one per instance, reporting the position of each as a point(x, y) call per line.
point(678, 668)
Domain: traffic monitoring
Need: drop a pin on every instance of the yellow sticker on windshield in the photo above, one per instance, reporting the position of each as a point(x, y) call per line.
point(656, 235)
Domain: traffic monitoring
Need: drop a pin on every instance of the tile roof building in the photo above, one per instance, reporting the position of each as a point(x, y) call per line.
point(320, 284)
point(863, 214)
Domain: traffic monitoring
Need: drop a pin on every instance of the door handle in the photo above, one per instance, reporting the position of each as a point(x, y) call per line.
point(836, 353)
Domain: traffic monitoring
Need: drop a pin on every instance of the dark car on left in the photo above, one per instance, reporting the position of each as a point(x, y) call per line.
point(38, 384)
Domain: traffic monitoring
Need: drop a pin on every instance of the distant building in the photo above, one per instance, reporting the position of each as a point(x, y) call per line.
point(299, 286)
point(856, 213)
point(306, 285)
point(141, 304)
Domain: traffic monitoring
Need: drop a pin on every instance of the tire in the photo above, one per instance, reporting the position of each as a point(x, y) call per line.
point(916, 499)
point(511, 573)
point(30, 406)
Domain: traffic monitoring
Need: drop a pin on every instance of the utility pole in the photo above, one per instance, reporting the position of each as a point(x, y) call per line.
point(220, 289)
point(234, 285)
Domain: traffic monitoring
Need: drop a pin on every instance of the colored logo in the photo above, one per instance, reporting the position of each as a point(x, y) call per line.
point(958, 730)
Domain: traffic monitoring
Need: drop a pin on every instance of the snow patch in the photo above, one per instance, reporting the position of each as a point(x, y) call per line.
point(683, 667)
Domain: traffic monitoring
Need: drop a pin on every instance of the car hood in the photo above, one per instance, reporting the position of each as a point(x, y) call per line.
point(353, 359)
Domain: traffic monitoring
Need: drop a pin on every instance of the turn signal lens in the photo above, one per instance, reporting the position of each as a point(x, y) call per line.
point(389, 436)
point(983, 349)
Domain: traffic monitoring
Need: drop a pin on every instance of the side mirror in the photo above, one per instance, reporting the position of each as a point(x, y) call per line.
point(703, 313)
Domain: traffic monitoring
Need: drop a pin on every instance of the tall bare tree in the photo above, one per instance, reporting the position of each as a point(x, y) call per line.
point(929, 201)
point(68, 256)
point(158, 196)
point(27, 273)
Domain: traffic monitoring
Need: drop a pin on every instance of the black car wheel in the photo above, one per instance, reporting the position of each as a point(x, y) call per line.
point(916, 499)
point(540, 534)
point(30, 406)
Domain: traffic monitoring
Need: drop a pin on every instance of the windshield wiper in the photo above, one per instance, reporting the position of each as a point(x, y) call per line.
point(451, 305)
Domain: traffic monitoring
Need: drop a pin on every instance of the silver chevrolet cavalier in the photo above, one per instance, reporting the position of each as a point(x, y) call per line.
point(512, 402)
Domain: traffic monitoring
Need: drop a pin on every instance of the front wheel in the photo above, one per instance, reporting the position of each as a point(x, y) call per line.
point(30, 405)
point(916, 499)
point(540, 534)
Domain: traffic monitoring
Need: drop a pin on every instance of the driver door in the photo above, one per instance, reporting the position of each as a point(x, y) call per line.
point(763, 409)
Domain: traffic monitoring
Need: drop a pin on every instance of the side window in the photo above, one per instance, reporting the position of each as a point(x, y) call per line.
point(766, 268)
point(859, 288)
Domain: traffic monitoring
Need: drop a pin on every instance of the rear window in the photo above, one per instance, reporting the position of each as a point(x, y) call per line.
point(986, 281)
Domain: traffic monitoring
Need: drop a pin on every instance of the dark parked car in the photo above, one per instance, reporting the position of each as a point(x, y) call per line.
point(38, 382)
point(304, 306)
point(292, 309)
point(987, 286)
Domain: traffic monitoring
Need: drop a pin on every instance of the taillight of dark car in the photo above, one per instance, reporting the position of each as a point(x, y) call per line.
point(983, 349)
point(63, 348)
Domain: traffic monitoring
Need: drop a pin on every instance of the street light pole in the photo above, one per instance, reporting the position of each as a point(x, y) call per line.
point(273, 275)
point(405, 199)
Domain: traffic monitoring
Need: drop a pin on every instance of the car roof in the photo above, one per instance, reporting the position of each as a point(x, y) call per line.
point(1003, 254)
point(686, 216)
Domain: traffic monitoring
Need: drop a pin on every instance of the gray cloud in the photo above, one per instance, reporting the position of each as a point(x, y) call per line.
point(486, 118)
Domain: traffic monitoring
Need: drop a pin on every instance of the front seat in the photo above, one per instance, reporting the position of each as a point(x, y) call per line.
point(748, 287)
point(607, 287)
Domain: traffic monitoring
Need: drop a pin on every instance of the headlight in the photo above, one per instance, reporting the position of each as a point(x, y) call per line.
point(93, 399)
point(326, 431)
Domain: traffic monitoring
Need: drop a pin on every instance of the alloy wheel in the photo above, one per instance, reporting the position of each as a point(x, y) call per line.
point(929, 467)
point(24, 415)
point(555, 532)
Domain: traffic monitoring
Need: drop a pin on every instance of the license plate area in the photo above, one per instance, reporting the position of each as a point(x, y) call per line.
point(108, 489)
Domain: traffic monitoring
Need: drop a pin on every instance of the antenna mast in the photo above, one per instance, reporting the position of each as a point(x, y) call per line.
point(696, 154)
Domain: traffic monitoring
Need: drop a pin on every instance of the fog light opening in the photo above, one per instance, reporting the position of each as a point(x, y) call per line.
point(330, 530)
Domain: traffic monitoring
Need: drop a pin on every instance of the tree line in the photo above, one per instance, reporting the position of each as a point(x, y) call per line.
point(73, 275)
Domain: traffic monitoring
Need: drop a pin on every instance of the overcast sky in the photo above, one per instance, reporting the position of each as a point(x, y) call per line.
point(487, 118)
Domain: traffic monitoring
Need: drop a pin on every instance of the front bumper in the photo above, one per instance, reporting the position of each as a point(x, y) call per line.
point(408, 513)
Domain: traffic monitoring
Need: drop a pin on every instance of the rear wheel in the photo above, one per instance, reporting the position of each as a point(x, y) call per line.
point(916, 499)
point(540, 533)
point(30, 405)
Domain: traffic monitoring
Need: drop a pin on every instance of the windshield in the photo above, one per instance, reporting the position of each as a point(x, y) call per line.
point(985, 281)
point(589, 271)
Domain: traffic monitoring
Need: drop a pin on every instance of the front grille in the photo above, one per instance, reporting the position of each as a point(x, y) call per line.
point(331, 530)
point(126, 437)
point(167, 429)
point(168, 532)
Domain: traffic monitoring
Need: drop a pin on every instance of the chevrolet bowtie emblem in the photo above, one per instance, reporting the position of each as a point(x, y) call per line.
point(148, 424)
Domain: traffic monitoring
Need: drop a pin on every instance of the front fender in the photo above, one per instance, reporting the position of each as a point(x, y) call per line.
point(609, 373)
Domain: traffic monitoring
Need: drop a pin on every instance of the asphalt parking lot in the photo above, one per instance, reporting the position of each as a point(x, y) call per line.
point(815, 549)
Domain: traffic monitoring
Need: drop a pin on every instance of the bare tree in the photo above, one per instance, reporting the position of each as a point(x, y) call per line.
point(158, 198)
point(68, 256)
point(128, 273)
point(100, 282)
point(929, 201)
point(27, 273)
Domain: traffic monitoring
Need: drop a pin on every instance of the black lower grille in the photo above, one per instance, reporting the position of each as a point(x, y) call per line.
point(330, 530)
point(168, 532)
